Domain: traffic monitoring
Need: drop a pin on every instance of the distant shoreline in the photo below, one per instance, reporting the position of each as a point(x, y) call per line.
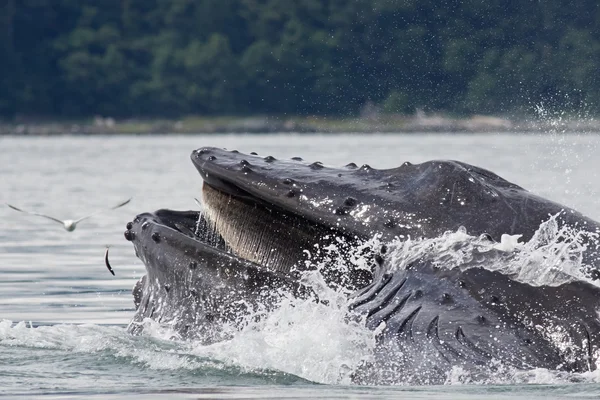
point(435, 123)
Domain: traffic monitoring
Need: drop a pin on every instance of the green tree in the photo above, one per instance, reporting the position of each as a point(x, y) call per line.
point(164, 57)
point(212, 74)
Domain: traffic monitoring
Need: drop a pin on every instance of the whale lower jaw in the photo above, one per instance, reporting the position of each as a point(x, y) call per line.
point(194, 284)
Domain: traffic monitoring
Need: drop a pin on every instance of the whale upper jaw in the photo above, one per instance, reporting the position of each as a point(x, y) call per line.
point(412, 200)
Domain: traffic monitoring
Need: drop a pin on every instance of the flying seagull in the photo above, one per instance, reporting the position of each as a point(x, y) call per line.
point(69, 224)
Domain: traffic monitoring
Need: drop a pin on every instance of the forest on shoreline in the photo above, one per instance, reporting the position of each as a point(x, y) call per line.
point(159, 58)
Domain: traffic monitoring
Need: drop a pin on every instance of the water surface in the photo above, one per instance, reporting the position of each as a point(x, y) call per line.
point(64, 316)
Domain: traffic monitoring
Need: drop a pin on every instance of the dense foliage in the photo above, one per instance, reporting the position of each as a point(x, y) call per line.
point(172, 57)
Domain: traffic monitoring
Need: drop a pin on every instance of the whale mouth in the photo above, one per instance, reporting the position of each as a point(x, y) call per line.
point(257, 231)
point(239, 252)
point(238, 231)
point(277, 240)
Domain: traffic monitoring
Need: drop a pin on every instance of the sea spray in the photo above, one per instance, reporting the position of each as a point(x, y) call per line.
point(313, 340)
point(553, 256)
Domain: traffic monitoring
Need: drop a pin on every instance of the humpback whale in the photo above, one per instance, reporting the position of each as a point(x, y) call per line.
point(266, 221)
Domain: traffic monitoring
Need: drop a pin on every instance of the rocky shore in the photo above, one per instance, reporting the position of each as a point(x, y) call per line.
point(418, 123)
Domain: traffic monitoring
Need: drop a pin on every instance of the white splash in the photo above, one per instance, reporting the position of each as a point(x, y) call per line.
point(553, 256)
point(312, 340)
point(91, 339)
point(508, 243)
point(317, 341)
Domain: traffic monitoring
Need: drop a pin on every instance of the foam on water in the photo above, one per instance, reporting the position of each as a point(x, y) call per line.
point(82, 358)
point(307, 340)
point(90, 338)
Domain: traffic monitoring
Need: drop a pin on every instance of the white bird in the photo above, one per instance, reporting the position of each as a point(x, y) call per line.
point(69, 224)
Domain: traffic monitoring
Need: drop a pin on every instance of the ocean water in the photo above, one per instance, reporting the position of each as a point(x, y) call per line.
point(63, 317)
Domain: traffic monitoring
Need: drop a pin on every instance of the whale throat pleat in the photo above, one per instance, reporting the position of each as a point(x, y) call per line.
point(265, 236)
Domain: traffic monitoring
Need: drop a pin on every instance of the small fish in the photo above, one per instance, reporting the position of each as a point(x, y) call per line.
point(107, 263)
